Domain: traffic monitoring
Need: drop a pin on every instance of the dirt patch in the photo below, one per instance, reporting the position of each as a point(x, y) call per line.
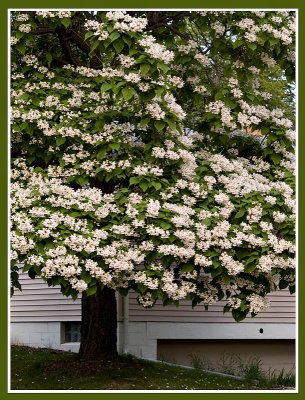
point(80, 367)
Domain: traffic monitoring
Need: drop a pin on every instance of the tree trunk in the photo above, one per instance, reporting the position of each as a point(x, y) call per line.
point(99, 325)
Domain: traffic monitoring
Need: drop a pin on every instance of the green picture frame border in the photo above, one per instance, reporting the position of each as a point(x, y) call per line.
point(157, 4)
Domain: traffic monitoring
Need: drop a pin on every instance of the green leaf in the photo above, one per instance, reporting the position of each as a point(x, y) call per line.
point(144, 68)
point(171, 124)
point(144, 186)
point(144, 121)
point(101, 154)
point(215, 272)
point(39, 247)
point(159, 125)
point(240, 213)
point(94, 46)
point(250, 267)
point(252, 46)
point(74, 294)
point(207, 221)
point(91, 290)
point(239, 315)
point(66, 22)
point(276, 158)
point(105, 87)
point(115, 146)
point(157, 185)
point(128, 92)
point(242, 253)
point(81, 180)
point(127, 40)
point(113, 36)
point(163, 67)
point(134, 180)
point(141, 287)
point(30, 159)
point(197, 99)
point(118, 45)
point(165, 225)
point(19, 34)
point(159, 91)
point(60, 140)
point(188, 268)
point(283, 284)
point(20, 47)
point(26, 267)
point(265, 130)
point(49, 57)
point(88, 35)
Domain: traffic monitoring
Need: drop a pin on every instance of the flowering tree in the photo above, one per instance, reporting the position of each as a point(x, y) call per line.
point(132, 162)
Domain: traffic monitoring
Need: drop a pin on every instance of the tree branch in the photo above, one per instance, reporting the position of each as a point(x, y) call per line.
point(95, 62)
point(66, 47)
point(43, 30)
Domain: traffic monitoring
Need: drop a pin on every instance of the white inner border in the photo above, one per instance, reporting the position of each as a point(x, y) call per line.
point(297, 197)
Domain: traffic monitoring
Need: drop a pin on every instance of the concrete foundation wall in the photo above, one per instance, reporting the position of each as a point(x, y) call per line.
point(225, 355)
point(40, 334)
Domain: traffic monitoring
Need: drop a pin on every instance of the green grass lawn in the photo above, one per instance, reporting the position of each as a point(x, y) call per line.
point(45, 369)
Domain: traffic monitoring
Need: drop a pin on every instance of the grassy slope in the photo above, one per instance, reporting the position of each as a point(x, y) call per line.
point(39, 369)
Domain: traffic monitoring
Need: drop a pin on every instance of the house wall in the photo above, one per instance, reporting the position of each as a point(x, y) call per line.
point(281, 310)
point(38, 314)
point(37, 302)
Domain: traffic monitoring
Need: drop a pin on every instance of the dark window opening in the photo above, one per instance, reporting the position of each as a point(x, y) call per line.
point(71, 332)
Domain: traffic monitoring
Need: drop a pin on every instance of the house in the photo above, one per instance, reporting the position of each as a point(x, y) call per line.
point(42, 317)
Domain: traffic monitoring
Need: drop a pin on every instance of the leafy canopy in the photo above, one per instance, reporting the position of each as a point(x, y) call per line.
point(133, 162)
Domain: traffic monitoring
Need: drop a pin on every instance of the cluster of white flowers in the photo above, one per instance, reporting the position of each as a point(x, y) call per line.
point(219, 107)
point(146, 169)
point(234, 302)
point(22, 17)
point(98, 29)
point(202, 58)
point(13, 40)
point(254, 214)
point(279, 217)
point(146, 300)
point(155, 111)
point(252, 29)
point(152, 208)
point(126, 61)
point(257, 303)
point(218, 27)
point(97, 272)
point(21, 243)
point(52, 14)
point(209, 205)
point(173, 106)
point(233, 267)
point(156, 50)
point(202, 260)
point(26, 28)
point(125, 22)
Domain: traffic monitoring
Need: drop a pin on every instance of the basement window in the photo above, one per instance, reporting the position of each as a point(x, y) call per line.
point(71, 332)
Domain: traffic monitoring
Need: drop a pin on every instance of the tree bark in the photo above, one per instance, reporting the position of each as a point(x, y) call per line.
point(99, 325)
